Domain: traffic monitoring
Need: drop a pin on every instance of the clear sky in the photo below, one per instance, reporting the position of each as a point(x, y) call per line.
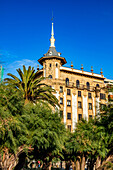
point(83, 32)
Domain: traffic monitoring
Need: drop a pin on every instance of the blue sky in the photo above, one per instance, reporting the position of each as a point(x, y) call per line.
point(83, 33)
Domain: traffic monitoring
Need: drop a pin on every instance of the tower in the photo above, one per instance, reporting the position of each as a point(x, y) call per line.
point(52, 60)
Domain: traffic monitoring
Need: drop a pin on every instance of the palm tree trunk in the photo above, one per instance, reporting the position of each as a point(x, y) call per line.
point(78, 164)
point(98, 162)
point(83, 163)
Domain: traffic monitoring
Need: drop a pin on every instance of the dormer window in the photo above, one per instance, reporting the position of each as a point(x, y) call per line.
point(50, 53)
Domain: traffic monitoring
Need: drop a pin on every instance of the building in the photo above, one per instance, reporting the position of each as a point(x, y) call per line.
point(79, 92)
point(109, 86)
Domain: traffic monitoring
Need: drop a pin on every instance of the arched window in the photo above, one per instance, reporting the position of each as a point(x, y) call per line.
point(56, 64)
point(97, 85)
point(50, 65)
point(50, 76)
point(88, 85)
point(67, 82)
point(77, 83)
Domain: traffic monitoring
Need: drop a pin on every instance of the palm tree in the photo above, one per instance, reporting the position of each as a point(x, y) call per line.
point(31, 86)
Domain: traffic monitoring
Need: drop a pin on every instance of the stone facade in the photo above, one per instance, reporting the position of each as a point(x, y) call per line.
point(80, 93)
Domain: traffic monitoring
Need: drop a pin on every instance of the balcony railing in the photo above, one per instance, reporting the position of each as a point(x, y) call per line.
point(73, 84)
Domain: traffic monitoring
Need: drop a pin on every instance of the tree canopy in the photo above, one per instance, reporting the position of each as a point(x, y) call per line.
point(31, 86)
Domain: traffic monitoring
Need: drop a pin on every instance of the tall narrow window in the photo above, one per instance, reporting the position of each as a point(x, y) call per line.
point(50, 65)
point(61, 100)
point(61, 89)
point(88, 85)
point(67, 82)
point(79, 116)
point(77, 83)
point(79, 93)
point(68, 92)
point(90, 106)
point(79, 104)
point(69, 127)
point(89, 95)
point(68, 115)
point(68, 102)
point(90, 116)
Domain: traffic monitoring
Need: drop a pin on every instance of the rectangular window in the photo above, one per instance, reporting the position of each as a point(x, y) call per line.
point(69, 127)
point(89, 95)
point(69, 116)
point(68, 92)
point(90, 106)
point(79, 116)
point(79, 93)
point(61, 89)
point(102, 96)
point(68, 102)
point(61, 100)
point(61, 113)
point(102, 107)
point(90, 116)
point(79, 105)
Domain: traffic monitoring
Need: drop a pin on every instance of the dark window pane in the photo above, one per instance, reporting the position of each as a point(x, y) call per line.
point(79, 116)
point(69, 127)
point(88, 85)
point(61, 89)
point(79, 93)
point(79, 105)
point(67, 82)
point(68, 115)
point(90, 106)
point(90, 116)
point(97, 85)
point(89, 95)
point(61, 100)
point(50, 76)
point(68, 92)
point(77, 83)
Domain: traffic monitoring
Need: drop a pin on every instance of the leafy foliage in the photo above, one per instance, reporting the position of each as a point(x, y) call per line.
point(31, 86)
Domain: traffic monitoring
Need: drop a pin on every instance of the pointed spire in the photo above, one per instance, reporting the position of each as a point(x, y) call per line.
point(52, 40)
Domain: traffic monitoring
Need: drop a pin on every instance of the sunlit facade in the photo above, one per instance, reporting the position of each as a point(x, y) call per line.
point(80, 93)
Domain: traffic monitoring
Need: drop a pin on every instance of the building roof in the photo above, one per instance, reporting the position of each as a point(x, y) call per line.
point(85, 73)
point(52, 52)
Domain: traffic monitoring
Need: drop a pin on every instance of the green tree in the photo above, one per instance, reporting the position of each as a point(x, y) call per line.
point(88, 142)
point(32, 87)
point(13, 133)
point(47, 133)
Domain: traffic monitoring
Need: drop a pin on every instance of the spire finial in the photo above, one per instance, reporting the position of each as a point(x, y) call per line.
point(82, 67)
point(92, 69)
point(101, 72)
point(71, 64)
point(52, 40)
